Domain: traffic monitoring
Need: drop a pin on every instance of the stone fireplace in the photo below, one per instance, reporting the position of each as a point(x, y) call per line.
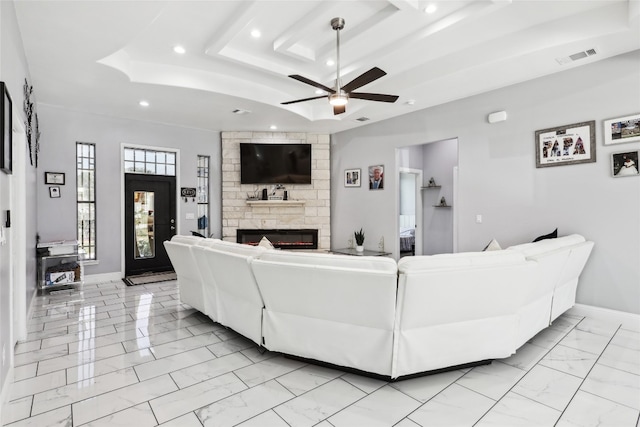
point(308, 206)
point(279, 238)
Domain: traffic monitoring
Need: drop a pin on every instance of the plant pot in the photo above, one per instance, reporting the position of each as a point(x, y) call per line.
point(359, 248)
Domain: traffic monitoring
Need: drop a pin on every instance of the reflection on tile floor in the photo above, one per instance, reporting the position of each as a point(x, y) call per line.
point(111, 355)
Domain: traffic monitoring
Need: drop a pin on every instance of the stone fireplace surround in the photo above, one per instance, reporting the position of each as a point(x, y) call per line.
point(308, 205)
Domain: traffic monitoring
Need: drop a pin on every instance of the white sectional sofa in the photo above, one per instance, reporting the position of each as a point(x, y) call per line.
point(377, 316)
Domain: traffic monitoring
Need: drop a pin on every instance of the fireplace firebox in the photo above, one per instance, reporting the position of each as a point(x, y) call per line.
point(280, 238)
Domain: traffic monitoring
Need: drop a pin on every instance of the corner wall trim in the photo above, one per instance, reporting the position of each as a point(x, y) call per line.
point(629, 320)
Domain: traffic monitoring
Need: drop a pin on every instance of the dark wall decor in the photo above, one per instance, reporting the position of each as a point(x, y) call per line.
point(31, 124)
point(6, 127)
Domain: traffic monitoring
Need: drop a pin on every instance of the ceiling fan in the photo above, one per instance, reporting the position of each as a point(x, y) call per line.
point(339, 95)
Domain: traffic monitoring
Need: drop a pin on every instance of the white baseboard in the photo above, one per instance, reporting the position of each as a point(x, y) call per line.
point(102, 278)
point(628, 320)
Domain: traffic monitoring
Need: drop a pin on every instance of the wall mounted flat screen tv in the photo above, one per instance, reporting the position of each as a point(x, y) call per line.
point(275, 163)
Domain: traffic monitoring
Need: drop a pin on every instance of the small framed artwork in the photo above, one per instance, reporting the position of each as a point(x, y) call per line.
point(54, 192)
point(625, 164)
point(6, 128)
point(566, 145)
point(54, 178)
point(352, 177)
point(622, 129)
point(376, 177)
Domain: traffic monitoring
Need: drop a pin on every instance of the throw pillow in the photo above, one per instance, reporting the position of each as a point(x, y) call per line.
point(551, 235)
point(265, 243)
point(492, 246)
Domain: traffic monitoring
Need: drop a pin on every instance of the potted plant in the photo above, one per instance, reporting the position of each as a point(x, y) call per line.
point(359, 235)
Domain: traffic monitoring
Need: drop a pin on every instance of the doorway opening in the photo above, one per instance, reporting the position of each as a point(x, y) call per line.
point(410, 216)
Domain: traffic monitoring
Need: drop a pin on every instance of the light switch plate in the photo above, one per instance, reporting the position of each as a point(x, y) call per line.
point(190, 216)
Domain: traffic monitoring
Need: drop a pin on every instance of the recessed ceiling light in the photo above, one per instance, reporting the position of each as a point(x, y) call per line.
point(273, 127)
point(179, 49)
point(144, 103)
point(431, 8)
point(411, 102)
point(330, 62)
point(255, 33)
point(319, 91)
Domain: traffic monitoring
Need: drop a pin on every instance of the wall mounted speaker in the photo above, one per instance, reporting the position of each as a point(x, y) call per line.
point(498, 116)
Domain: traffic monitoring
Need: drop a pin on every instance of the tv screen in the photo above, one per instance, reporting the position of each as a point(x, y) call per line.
point(275, 163)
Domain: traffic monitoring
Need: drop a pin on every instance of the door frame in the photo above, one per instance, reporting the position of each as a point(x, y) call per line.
point(19, 230)
point(418, 175)
point(176, 151)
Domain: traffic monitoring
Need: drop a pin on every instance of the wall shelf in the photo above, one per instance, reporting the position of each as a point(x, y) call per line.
point(429, 187)
point(276, 203)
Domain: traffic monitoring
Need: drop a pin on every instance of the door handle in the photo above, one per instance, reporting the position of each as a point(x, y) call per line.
point(172, 228)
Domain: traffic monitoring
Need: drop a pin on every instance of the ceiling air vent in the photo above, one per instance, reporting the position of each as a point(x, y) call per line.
point(240, 111)
point(363, 119)
point(576, 56)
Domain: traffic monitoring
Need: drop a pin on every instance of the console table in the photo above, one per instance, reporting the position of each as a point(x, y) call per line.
point(352, 251)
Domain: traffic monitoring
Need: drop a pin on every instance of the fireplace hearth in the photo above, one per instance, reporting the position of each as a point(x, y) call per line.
point(280, 238)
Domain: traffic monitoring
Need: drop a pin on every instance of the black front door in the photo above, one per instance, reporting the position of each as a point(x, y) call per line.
point(149, 215)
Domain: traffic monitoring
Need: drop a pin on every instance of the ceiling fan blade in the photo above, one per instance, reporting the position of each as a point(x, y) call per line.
point(374, 96)
point(373, 74)
point(312, 83)
point(339, 109)
point(302, 100)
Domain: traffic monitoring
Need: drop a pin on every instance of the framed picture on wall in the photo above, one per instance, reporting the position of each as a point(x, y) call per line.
point(352, 177)
point(566, 145)
point(625, 164)
point(622, 129)
point(54, 192)
point(376, 177)
point(54, 178)
point(6, 127)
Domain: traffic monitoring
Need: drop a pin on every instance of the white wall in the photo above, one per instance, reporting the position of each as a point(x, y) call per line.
point(13, 71)
point(61, 129)
point(439, 159)
point(498, 177)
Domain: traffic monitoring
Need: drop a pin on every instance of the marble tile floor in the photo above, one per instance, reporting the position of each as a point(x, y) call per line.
point(111, 355)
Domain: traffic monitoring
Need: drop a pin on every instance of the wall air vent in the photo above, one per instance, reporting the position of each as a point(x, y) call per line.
point(579, 55)
point(363, 119)
point(240, 111)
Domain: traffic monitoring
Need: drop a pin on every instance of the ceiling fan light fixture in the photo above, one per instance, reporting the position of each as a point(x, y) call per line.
point(338, 99)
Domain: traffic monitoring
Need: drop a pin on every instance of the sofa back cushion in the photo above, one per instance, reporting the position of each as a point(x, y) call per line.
point(547, 245)
point(450, 288)
point(459, 260)
point(335, 293)
point(373, 263)
point(235, 248)
point(188, 240)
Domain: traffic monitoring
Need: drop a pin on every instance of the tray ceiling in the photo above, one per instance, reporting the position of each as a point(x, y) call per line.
point(104, 57)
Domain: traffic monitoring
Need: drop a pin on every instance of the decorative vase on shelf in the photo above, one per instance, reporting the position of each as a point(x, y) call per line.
point(359, 235)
